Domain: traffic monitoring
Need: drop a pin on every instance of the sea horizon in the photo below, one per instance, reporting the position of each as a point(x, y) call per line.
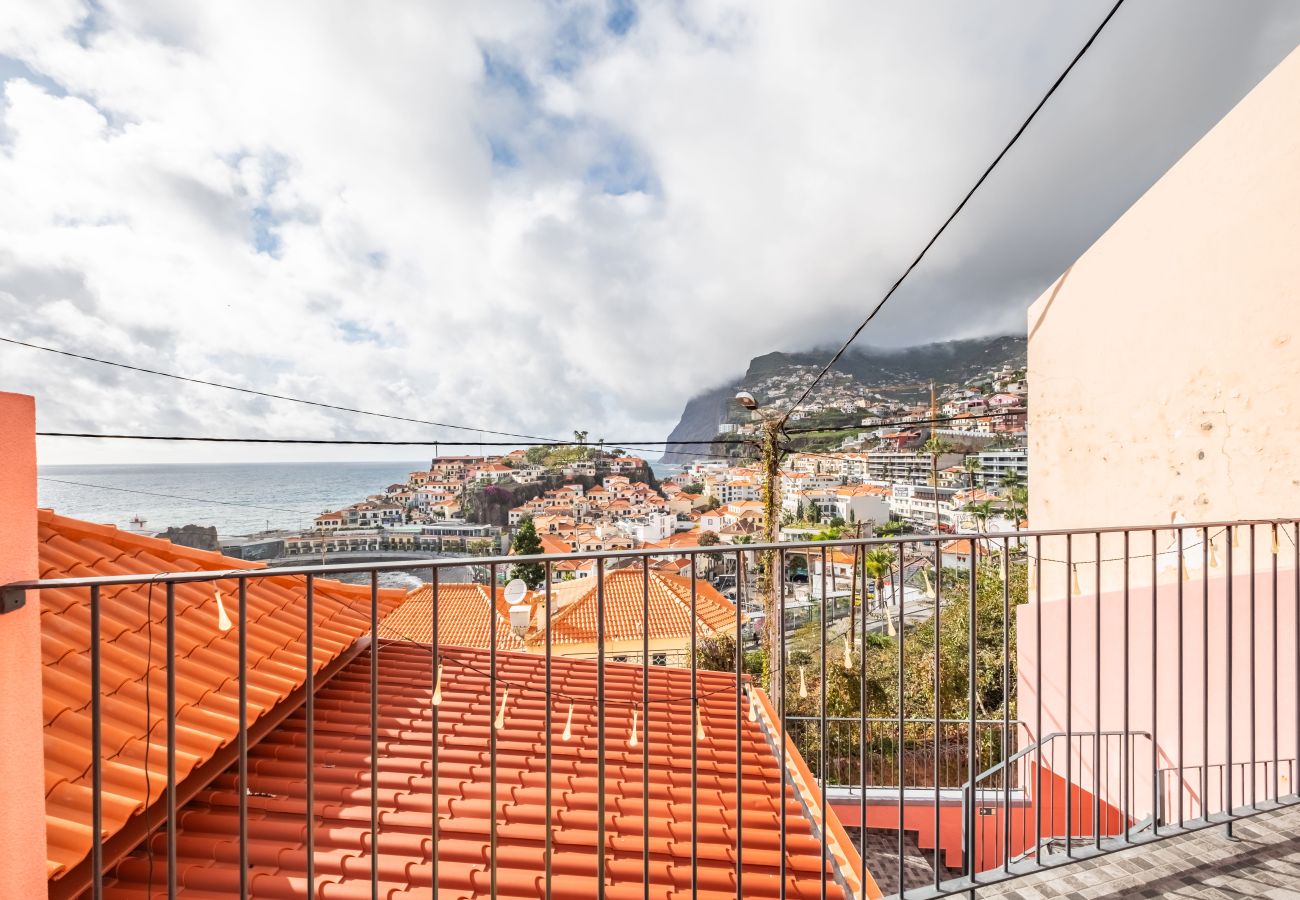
point(237, 498)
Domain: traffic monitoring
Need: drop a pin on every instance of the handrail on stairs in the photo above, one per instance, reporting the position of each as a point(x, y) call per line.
point(968, 788)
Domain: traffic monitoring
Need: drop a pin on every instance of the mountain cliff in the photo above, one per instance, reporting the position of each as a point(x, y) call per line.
point(779, 377)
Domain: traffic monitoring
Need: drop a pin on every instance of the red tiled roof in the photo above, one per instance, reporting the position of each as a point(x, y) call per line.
point(462, 617)
point(679, 539)
point(411, 793)
point(669, 608)
point(206, 667)
point(552, 544)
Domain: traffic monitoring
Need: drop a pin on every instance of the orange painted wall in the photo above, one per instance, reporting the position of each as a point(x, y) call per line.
point(990, 830)
point(22, 763)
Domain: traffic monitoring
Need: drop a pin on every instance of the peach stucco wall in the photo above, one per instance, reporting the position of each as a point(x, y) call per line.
point(1164, 373)
point(22, 762)
point(1164, 365)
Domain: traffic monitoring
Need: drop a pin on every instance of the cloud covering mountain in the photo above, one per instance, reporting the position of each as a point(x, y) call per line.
point(541, 217)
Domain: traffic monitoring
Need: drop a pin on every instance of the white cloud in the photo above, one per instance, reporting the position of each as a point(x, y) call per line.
point(512, 215)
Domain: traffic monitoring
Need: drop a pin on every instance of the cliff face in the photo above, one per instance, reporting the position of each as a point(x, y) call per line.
point(699, 422)
point(947, 362)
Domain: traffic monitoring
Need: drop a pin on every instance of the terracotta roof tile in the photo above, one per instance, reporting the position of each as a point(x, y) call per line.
point(669, 608)
point(205, 667)
point(462, 617)
point(411, 793)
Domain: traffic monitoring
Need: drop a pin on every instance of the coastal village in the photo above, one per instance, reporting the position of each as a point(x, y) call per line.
point(931, 687)
point(965, 471)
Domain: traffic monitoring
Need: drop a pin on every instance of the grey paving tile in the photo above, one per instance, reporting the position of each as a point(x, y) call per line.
point(1264, 862)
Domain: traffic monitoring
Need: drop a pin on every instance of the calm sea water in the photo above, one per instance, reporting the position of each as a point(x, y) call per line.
point(238, 498)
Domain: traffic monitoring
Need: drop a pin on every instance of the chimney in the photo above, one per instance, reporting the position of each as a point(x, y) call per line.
point(22, 762)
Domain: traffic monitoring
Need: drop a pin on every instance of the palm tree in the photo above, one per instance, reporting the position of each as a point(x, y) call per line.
point(935, 446)
point(878, 565)
point(972, 466)
point(982, 512)
point(1017, 504)
point(1011, 480)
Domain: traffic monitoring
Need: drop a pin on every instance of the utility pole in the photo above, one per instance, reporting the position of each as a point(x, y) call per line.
point(769, 583)
point(769, 578)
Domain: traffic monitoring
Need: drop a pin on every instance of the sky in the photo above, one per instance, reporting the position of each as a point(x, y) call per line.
point(542, 217)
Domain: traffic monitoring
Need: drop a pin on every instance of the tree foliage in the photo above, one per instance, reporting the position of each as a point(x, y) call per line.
point(995, 670)
point(527, 543)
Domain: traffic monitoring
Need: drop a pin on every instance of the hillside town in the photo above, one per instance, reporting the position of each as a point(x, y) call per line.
point(963, 468)
point(827, 639)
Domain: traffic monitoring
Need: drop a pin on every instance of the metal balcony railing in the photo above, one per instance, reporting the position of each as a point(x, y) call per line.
point(1153, 659)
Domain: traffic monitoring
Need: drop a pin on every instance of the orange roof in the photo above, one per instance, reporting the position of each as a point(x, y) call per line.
point(669, 608)
point(462, 617)
point(133, 629)
point(410, 797)
point(961, 546)
point(680, 539)
point(552, 544)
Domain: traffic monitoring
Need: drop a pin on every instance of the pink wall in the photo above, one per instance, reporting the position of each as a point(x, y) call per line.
point(1164, 363)
point(22, 762)
point(1163, 373)
point(1189, 693)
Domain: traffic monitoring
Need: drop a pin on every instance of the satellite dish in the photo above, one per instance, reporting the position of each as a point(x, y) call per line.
point(515, 592)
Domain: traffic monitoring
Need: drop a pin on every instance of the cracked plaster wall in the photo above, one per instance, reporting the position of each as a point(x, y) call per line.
point(1164, 365)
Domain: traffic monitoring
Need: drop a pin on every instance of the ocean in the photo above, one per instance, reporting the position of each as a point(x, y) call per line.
point(237, 498)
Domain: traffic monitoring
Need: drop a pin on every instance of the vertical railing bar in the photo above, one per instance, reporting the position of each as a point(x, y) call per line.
point(435, 685)
point(740, 767)
point(1253, 755)
point(697, 718)
point(1182, 566)
point(171, 741)
point(1096, 693)
point(645, 725)
point(1038, 694)
point(1006, 704)
point(96, 747)
point(1070, 577)
point(550, 728)
point(862, 704)
point(310, 712)
point(374, 734)
point(784, 706)
point(1226, 781)
point(971, 676)
point(492, 730)
point(821, 710)
point(1155, 683)
point(243, 738)
point(1205, 671)
point(938, 704)
point(1274, 692)
point(600, 728)
point(898, 747)
point(1126, 744)
point(1295, 625)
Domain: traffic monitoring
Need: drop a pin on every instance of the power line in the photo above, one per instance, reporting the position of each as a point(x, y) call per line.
point(694, 454)
point(364, 412)
point(900, 423)
point(106, 487)
point(960, 206)
point(255, 393)
point(345, 441)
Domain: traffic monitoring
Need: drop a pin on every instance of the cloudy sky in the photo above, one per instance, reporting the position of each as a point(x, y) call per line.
point(538, 217)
